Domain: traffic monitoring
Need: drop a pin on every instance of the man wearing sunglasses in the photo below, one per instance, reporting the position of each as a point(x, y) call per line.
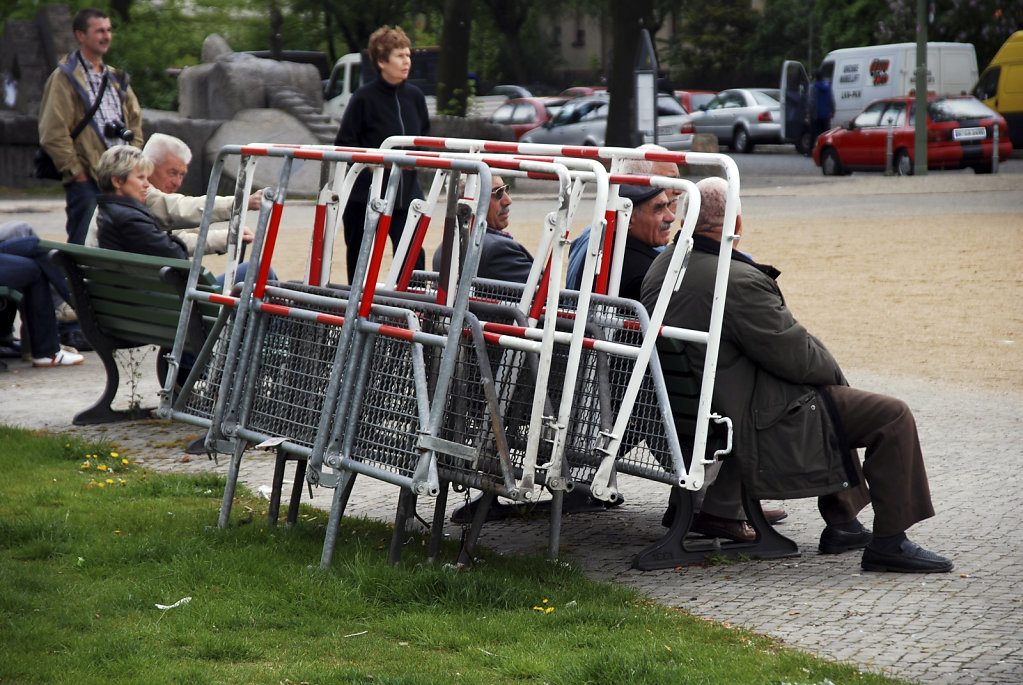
point(502, 258)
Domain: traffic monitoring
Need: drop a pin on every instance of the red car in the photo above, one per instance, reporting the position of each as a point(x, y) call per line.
point(521, 114)
point(959, 135)
point(693, 99)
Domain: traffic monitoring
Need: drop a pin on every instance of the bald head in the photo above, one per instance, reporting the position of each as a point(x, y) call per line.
point(713, 196)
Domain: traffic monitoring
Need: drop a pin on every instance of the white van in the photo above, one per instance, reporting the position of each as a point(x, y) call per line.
point(858, 76)
point(345, 78)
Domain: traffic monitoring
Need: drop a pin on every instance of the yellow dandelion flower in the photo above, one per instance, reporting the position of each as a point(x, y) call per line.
point(124, 461)
point(110, 480)
point(115, 455)
point(100, 485)
point(101, 467)
point(548, 610)
point(537, 608)
point(85, 465)
point(545, 601)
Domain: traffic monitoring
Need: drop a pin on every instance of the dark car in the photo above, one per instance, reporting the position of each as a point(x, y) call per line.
point(959, 135)
point(521, 114)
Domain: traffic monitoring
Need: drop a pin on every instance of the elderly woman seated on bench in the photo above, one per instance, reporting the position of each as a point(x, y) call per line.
point(124, 223)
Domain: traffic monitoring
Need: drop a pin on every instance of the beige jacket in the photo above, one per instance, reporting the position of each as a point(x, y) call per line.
point(181, 214)
point(65, 102)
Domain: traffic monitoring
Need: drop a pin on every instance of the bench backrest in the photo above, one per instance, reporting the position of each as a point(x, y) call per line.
point(131, 299)
point(683, 386)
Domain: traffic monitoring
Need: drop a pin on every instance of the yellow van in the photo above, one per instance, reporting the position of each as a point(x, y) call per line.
point(1000, 86)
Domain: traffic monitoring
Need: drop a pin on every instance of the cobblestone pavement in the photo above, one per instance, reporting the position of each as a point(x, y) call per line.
point(962, 627)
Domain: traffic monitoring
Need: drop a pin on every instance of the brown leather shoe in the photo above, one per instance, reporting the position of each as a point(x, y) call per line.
point(774, 515)
point(717, 527)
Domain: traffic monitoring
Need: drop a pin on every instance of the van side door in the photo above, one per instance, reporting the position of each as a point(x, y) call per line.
point(795, 85)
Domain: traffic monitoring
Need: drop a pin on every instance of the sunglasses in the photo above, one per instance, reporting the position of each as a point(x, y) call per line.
point(499, 192)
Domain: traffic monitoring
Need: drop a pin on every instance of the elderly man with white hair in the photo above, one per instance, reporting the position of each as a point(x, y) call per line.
point(797, 422)
point(175, 212)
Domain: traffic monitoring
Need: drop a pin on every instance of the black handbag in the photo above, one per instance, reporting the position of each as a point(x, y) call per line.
point(42, 163)
point(44, 166)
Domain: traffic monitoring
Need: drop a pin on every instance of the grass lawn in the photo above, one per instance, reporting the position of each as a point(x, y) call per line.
point(92, 548)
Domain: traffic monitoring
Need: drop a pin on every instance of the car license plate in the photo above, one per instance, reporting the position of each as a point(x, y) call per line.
point(974, 133)
point(667, 130)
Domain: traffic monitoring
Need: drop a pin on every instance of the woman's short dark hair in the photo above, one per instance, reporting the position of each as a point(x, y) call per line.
point(385, 40)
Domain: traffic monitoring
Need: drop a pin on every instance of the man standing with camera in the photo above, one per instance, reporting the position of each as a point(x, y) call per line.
point(86, 108)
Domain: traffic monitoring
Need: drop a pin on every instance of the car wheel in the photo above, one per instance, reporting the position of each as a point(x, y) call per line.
point(903, 164)
point(804, 145)
point(741, 142)
point(830, 164)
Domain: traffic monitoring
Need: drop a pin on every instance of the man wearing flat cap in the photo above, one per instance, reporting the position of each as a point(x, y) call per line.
point(797, 423)
point(653, 212)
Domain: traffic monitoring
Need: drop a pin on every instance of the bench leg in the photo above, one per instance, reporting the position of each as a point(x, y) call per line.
point(101, 411)
point(676, 549)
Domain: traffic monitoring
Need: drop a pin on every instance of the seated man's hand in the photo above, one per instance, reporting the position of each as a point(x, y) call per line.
point(247, 235)
point(254, 201)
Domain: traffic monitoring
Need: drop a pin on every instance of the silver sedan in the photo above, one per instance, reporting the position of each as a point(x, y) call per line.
point(583, 121)
point(741, 118)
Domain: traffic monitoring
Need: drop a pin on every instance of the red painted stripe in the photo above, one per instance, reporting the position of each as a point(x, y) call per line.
point(254, 151)
point(417, 244)
point(268, 248)
point(316, 251)
point(333, 319)
point(224, 300)
point(374, 265)
point(605, 263)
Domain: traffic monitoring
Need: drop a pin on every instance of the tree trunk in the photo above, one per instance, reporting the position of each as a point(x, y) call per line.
point(453, 64)
point(627, 20)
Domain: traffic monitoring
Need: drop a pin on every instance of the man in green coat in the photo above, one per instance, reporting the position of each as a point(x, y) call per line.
point(797, 422)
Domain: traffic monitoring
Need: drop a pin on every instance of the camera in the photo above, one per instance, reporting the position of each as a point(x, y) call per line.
point(116, 129)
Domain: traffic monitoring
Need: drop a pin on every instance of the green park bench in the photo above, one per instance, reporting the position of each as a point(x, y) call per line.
point(125, 300)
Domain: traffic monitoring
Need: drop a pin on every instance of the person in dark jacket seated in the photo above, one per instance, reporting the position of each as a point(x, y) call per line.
point(797, 422)
point(122, 219)
point(502, 258)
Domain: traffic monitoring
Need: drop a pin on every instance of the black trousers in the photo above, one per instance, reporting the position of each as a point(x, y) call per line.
point(354, 219)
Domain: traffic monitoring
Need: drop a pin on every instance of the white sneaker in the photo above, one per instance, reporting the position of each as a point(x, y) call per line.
point(62, 358)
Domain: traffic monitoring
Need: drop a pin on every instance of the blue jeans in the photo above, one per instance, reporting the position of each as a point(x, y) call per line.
point(24, 274)
point(81, 205)
point(239, 274)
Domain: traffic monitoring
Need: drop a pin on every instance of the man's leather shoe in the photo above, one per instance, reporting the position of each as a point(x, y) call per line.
point(911, 558)
point(717, 527)
point(774, 515)
point(835, 540)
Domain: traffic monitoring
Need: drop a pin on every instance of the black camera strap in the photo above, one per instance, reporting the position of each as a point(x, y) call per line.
point(92, 110)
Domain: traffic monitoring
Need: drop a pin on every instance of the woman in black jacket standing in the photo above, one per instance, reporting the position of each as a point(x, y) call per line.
point(386, 106)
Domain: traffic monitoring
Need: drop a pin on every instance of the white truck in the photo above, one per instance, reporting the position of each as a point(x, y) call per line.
point(858, 76)
point(354, 69)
